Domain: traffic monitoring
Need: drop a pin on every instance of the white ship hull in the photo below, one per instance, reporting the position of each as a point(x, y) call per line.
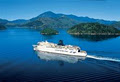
point(59, 51)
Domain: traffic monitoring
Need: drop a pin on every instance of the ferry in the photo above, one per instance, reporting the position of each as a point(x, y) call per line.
point(59, 48)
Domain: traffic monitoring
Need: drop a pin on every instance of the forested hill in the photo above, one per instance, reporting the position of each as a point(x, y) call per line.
point(49, 31)
point(51, 19)
point(2, 27)
point(93, 29)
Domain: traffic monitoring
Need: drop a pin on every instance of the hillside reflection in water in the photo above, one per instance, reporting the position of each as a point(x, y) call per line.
point(95, 38)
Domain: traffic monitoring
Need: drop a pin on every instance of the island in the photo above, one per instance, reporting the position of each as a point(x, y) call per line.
point(93, 29)
point(49, 31)
point(2, 27)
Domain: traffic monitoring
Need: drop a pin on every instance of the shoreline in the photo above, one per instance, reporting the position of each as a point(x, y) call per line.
point(49, 34)
point(94, 33)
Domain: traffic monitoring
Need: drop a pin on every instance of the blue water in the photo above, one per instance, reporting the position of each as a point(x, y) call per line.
point(18, 61)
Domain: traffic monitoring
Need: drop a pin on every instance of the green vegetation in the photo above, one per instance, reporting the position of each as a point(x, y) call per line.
point(93, 29)
point(49, 31)
point(33, 24)
point(61, 22)
point(2, 27)
point(117, 24)
point(52, 20)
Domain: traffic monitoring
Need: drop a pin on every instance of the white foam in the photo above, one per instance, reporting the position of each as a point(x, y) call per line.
point(103, 58)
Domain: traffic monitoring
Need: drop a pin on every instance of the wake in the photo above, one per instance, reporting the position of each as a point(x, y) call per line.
point(103, 58)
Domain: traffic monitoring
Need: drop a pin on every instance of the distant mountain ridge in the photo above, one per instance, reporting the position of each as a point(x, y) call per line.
point(61, 22)
point(3, 21)
point(19, 21)
point(74, 17)
point(50, 19)
point(2, 27)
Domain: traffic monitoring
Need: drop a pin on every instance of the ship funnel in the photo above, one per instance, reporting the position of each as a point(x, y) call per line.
point(61, 43)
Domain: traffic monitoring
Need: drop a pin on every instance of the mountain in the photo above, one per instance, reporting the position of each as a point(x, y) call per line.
point(3, 21)
point(79, 19)
point(2, 27)
point(13, 23)
point(34, 24)
point(117, 24)
point(19, 21)
point(50, 19)
point(61, 22)
point(93, 29)
point(48, 14)
point(90, 20)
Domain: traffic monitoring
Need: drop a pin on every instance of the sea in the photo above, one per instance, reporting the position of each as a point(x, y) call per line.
point(20, 63)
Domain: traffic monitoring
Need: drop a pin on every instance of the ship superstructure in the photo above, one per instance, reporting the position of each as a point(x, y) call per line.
point(59, 49)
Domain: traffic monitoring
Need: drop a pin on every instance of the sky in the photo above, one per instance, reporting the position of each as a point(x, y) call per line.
point(26, 9)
